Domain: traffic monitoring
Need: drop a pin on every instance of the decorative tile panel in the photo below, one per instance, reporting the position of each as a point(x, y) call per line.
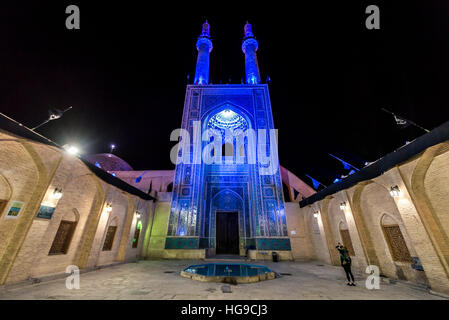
point(273, 244)
point(181, 243)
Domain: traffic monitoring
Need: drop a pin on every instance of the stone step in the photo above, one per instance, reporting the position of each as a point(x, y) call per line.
point(224, 257)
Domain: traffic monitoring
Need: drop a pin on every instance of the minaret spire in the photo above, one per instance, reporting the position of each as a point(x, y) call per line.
point(249, 48)
point(204, 46)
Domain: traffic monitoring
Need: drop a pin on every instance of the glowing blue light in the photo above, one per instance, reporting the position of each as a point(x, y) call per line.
point(227, 115)
point(114, 174)
point(97, 165)
point(337, 180)
point(138, 179)
point(252, 80)
point(227, 119)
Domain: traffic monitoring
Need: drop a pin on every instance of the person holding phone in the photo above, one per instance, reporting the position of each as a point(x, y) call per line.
point(346, 261)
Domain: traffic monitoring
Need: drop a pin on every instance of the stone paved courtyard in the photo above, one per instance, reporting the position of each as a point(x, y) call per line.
point(160, 279)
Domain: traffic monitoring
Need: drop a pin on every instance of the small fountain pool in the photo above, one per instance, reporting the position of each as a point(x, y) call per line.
point(228, 272)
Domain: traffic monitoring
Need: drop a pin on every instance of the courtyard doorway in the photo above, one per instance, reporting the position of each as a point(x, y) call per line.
point(227, 232)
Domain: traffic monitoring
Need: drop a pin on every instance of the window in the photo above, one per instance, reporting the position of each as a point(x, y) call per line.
point(346, 238)
point(137, 234)
point(109, 239)
point(396, 243)
point(63, 238)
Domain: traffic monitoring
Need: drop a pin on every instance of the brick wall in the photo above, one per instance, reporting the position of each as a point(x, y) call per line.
point(421, 212)
point(30, 172)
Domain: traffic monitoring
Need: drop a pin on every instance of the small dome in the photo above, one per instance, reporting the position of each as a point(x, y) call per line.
point(109, 162)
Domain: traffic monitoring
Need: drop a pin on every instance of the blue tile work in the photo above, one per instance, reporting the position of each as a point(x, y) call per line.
point(201, 189)
point(204, 47)
point(249, 47)
point(273, 244)
point(181, 243)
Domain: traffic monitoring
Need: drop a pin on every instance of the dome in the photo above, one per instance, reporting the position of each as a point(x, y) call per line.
point(109, 162)
point(227, 119)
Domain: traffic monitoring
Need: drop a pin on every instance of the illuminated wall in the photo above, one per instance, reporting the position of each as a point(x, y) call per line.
point(202, 189)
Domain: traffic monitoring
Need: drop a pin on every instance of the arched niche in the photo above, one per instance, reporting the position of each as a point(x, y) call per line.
point(111, 231)
point(346, 237)
point(170, 187)
point(395, 239)
point(63, 237)
point(231, 122)
point(429, 182)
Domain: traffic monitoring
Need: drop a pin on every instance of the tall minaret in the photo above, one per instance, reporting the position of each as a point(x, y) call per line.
point(249, 48)
point(204, 46)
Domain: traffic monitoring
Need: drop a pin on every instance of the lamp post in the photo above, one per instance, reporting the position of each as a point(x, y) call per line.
point(54, 114)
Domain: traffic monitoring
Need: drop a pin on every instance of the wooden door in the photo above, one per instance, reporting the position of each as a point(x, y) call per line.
point(227, 232)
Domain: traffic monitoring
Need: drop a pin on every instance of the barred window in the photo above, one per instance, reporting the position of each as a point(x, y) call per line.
point(396, 243)
point(63, 238)
point(136, 237)
point(109, 239)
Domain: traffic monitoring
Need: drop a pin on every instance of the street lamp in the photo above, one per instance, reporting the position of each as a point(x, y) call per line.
point(71, 149)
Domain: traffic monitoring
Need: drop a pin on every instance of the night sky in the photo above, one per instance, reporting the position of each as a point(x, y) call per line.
point(125, 71)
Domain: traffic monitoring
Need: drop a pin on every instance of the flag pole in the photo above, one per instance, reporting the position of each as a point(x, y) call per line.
point(342, 161)
point(315, 180)
point(406, 120)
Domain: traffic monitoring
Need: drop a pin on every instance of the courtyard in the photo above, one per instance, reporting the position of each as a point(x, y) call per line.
point(160, 280)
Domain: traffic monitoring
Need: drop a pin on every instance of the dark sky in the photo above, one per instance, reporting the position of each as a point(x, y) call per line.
point(124, 72)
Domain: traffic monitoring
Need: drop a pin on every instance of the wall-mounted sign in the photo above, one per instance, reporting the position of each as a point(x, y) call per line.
point(14, 209)
point(45, 212)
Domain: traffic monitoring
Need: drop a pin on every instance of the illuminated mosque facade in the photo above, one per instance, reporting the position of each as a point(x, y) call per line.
point(230, 205)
